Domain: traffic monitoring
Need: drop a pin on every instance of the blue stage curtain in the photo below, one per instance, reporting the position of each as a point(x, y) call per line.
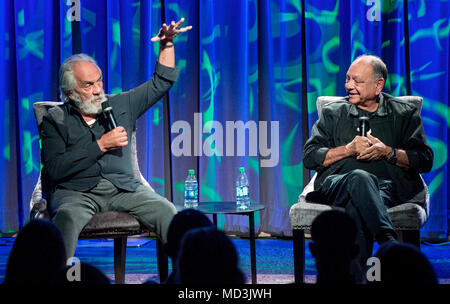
point(429, 39)
point(184, 95)
point(249, 61)
point(10, 206)
point(32, 61)
point(227, 93)
point(280, 90)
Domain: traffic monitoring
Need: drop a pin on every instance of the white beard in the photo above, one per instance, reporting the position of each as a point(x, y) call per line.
point(90, 106)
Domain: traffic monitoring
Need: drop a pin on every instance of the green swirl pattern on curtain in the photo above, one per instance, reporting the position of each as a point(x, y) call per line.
point(242, 61)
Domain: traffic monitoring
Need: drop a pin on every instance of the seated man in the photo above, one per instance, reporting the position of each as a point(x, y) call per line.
point(87, 163)
point(368, 174)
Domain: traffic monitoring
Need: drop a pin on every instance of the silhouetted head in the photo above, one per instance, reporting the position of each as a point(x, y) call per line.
point(37, 256)
point(208, 256)
point(181, 223)
point(404, 264)
point(333, 234)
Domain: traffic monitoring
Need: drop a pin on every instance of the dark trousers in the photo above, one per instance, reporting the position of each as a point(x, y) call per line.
point(366, 199)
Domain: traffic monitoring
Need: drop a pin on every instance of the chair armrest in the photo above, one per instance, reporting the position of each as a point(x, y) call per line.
point(37, 197)
point(135, 163)
point(39, 209)
point(38, 204)
point(145, 183)
point(309, 188)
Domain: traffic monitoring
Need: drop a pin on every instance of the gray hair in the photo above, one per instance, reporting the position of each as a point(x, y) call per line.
point(379, 68)
point(67, 81)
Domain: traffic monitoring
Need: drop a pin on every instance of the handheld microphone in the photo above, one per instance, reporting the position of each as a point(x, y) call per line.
point(363, 125)
point(107, 110)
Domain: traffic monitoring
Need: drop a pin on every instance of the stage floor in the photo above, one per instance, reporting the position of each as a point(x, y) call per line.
point(274, 259)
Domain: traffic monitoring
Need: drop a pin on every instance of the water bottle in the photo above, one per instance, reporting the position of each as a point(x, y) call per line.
point(242, 193)
point(191, 190)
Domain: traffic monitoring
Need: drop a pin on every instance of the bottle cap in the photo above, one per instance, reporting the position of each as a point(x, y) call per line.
point(191, 171)
point(241, 169)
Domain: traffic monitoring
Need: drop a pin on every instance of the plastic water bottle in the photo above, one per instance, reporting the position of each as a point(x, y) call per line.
point(242, 190)
point(191, 190)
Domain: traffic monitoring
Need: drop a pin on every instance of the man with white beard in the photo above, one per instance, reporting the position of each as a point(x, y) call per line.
point(87, 163)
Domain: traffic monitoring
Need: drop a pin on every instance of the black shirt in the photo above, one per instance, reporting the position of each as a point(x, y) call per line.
point(377, 124)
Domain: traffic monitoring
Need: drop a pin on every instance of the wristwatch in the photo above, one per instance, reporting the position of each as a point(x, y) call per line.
point(393, 158)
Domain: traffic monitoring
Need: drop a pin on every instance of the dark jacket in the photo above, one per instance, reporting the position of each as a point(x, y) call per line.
point(396, 123)
point(71, 157)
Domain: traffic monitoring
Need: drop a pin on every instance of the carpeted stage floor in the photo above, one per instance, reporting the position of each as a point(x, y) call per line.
point(274, 259)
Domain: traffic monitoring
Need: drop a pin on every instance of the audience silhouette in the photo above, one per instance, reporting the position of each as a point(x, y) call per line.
point(181, 223)
point(402, 263)
point(207, 256)
point(37, 255)
point(202, 254)
point(334, 247)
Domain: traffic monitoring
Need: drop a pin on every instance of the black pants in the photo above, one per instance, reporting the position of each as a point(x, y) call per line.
point(366, 199)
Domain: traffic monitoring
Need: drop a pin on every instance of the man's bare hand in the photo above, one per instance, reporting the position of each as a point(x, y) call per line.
point(378, 150)
point(114, 139)
point(358, 145)
point(168, 33)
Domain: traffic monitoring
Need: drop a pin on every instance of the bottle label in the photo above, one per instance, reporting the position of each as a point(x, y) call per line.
point(241, 191)
point(244, 191)
point(190, 194)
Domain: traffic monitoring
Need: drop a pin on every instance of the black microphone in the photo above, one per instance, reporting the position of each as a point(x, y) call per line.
point(363, 125)
point(107, 110)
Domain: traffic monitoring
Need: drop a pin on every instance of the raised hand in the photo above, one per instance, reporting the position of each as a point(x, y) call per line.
point(168, 33)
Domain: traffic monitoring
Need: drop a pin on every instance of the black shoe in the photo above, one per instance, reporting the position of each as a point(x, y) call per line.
point(385, 236)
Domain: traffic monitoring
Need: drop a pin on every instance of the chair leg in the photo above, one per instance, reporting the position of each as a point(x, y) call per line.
point(163, 261)
point(298, 242)
point(120, 253)
point(411, 237)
